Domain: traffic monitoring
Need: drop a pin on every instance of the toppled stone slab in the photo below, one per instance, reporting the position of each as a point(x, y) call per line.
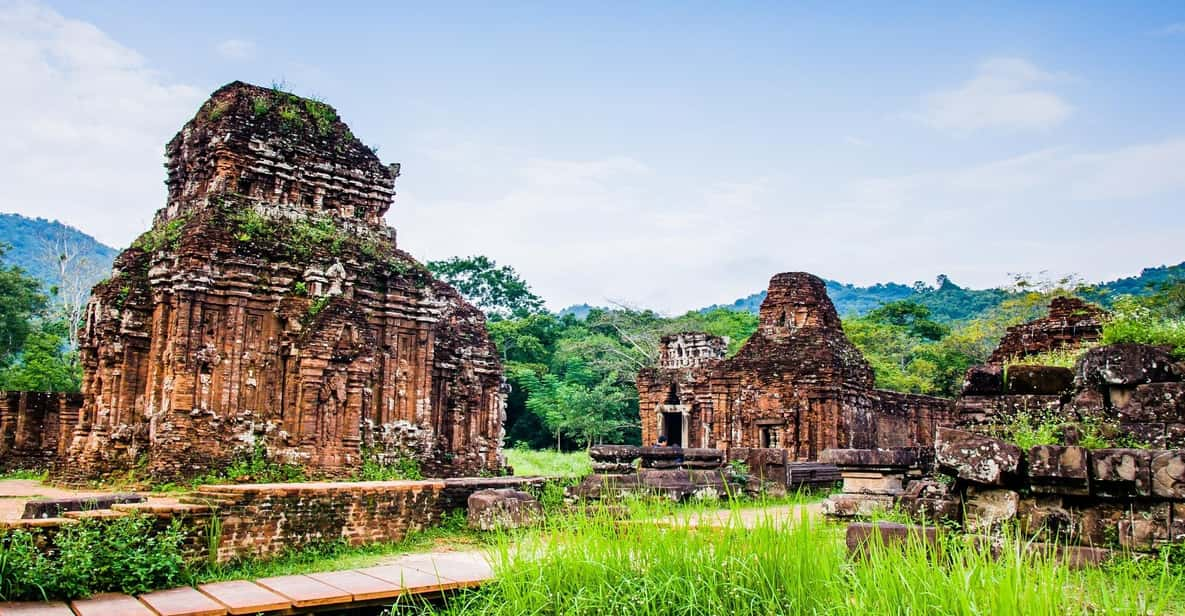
point(1039, 380)
point(1055, 469)
point(1168, 474)
point(614, 453)
point(1125, 364)
point(899, 458)
point(1121, 473)
point(503, 509)
point(862, 537)
point(55, 507)
point(977, 458)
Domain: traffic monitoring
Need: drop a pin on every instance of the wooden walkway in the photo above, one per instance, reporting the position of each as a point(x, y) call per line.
point(415, 574)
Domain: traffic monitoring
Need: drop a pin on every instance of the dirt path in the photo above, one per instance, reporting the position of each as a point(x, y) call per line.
point(14, 493)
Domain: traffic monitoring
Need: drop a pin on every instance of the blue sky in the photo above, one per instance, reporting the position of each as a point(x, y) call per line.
point(666, 155)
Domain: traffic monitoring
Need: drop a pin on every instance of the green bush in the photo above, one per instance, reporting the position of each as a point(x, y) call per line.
point(1135, 322)
point(125, 555)
point(375, 468)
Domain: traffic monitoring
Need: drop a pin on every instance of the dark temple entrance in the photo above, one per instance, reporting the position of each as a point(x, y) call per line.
point(672, 428)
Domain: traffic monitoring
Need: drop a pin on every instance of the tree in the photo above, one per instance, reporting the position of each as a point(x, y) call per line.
point(68, 256)
point(20, 300)
point(45, 363)
point(497, 290)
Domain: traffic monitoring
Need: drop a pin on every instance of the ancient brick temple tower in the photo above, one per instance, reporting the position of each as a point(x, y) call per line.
point(798, 384)
point(269, 306)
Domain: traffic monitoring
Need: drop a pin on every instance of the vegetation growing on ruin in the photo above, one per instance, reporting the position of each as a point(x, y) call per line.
point(162, 236)
point(377, 467)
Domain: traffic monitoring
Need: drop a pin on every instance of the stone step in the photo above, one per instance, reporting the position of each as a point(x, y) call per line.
point(242, 597)
point(40, 608)
point(183, 602)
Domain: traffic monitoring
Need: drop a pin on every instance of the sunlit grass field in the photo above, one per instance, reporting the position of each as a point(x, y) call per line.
point(529, 462)
point(600, 566)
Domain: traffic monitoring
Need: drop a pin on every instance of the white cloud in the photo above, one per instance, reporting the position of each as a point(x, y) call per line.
point(1005, 93)
point(675, 239)
point(85, 124)
point(235, 49)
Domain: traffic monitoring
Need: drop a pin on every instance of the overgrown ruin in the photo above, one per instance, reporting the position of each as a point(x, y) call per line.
point(797, 384)
point(1101, 465)
point(269, 309)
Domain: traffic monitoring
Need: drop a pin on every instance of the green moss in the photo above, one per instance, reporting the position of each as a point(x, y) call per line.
point(260, 105)
point(167, 235)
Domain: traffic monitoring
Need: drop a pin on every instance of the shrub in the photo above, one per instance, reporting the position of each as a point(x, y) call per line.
point(1137, 323)
point(127, 555)
point(377, 468)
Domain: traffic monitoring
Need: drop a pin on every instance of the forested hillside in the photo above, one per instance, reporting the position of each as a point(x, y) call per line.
point(949, 302)
point(37, 246)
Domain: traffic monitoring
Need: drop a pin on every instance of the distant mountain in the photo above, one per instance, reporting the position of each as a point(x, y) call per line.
point(580, 311)
point(950, 302)
point(33, 245)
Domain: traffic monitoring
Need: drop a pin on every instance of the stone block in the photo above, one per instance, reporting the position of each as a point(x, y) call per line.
point(1121, 473)
point(613, 468)
point(614, 453)
point(930, 500)
point(1125, 365)
point(1056, 469)
point(1177, 522)
point(1074, 556)
point(1097, 523)
point(976, 458)
point(1038, 380)
point(872, 482)
point(1044, 516)
point(1152, 434)
point(986, 380)
point(894, 458)
point(988, 508)
point(1145, 527)
point(1155, 402)
point(856, 505)
point(55, 507)
point(503, 509)
point(861, 537)
point(1168, 474)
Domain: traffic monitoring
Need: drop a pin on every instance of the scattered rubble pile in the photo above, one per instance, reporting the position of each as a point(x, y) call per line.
point(1115, 476)
point(797, 385)
point(269, 305)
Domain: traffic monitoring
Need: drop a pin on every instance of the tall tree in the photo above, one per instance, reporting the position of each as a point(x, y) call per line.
point(497, 290)
point(20, 301)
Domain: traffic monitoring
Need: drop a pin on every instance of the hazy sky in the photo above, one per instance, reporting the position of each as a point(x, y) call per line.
point(666, 155)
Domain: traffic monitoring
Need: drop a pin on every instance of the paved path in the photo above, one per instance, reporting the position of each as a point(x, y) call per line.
point(412, 574)
point(14, 493)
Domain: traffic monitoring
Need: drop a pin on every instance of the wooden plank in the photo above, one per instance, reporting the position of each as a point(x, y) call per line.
point(363, 587)
point(412, 581)
point(183, 601)
point(241, 597)
point(110, 604)
point(466, 568)
point(35, 608)
point(304, 591)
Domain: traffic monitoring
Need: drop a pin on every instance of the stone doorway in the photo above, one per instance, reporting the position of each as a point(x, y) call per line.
point(673, 429)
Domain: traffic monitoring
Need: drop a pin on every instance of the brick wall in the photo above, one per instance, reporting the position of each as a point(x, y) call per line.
point(35, 427)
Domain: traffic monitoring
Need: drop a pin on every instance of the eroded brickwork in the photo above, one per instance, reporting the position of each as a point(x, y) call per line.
point(1071, 322)
point(35, 428)
point(798, 384)
point(269, 304)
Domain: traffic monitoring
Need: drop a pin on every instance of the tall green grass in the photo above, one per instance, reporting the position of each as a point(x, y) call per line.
point(530, 462)
point(602, 567)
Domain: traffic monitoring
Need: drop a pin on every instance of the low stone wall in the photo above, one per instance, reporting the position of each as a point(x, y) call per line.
point(263, 520)
point(35, 427)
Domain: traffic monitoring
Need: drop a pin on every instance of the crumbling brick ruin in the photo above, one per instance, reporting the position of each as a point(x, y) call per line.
point(1071, 322)
point(798, 384)
point(269, 305)
point(35, 427)
point(1115, 477)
